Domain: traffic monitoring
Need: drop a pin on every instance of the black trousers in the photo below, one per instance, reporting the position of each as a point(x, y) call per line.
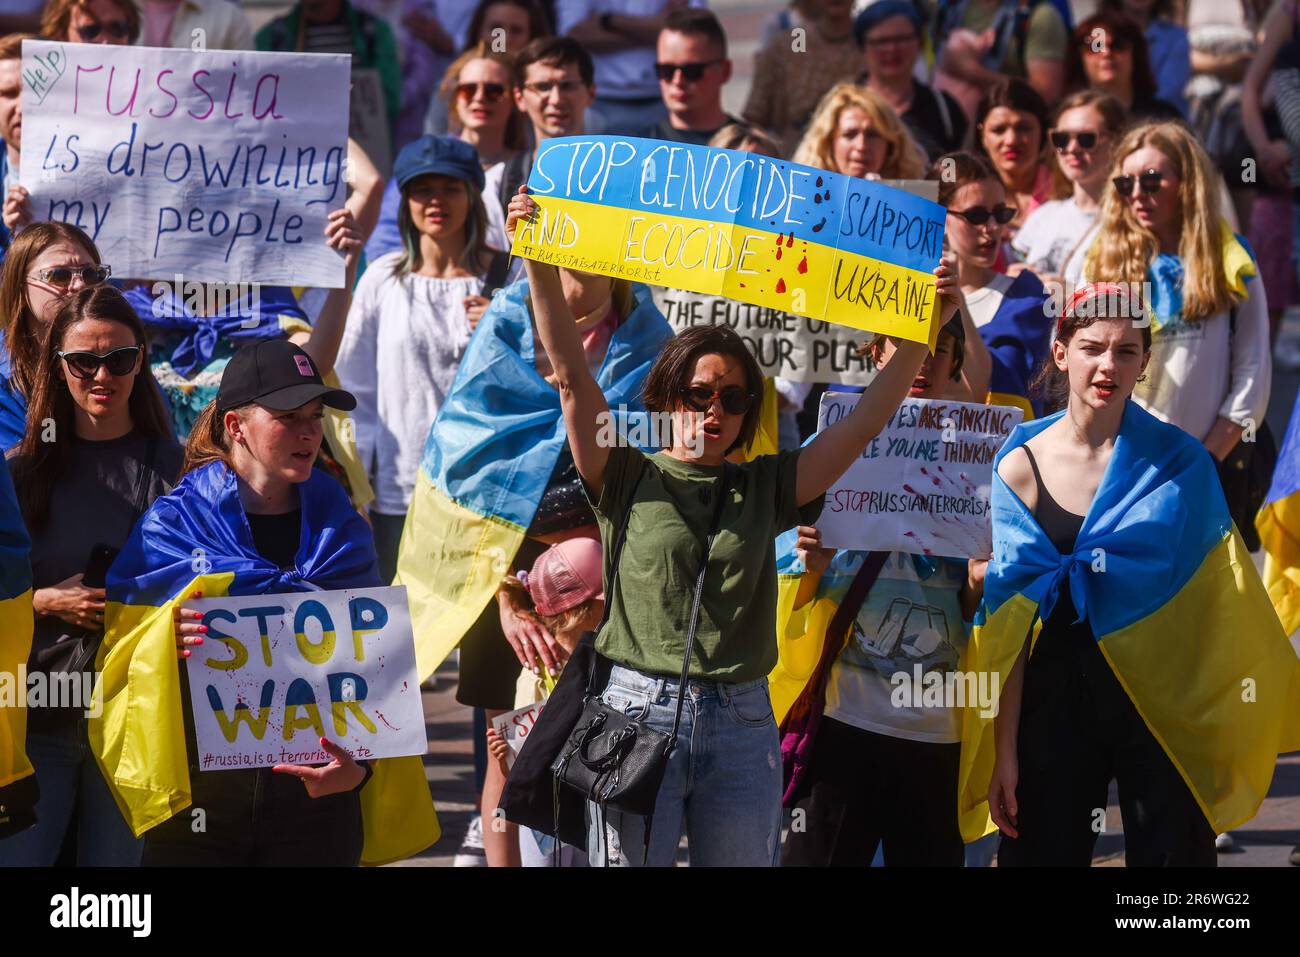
point(866, 789)
point(257, 818)
point(1078, 731)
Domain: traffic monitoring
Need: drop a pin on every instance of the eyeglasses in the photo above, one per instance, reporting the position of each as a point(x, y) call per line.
point(85, 365)
point(979, 215)
point(61, 277)
point(492, 92)
point(1086, 139)
point(544, 87)
point(1150, 183)
point(117, 29)
point(691, 72)
point(902, 39)
point(1098, 43)
point(735, 400)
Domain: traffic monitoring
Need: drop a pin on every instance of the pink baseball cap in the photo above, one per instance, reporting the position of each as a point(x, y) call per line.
point(565, 575)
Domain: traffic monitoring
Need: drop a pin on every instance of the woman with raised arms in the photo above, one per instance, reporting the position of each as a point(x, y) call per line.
point(723, 781)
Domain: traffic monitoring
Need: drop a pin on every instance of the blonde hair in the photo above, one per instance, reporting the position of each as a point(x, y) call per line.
point(516, 138)
point(903, 158)
point(738, 136)
point(1124, 250)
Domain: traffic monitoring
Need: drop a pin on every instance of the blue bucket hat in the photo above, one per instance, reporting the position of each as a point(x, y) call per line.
point(443, 155)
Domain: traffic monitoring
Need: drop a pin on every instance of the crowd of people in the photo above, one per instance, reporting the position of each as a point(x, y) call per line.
point(1121, 180)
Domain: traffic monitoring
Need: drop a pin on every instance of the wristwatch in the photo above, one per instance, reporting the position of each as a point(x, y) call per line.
point(607, 22)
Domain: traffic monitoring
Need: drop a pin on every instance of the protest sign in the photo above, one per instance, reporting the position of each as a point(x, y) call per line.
point(218, 165)
point(513, 727)
point(276, 673)
point(734, 224)
point(922, 485)
point(792, 347)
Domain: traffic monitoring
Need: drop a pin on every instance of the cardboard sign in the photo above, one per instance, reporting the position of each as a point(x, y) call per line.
point(739, 225)
point(276, 673)
point(220, 165)
point(922, 485)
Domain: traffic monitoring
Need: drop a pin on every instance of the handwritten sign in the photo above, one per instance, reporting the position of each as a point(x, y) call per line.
point(276, 673)
point(792, 347)
point(739, 225)
point(514, 726)
point(221, 165)
point(922, 485)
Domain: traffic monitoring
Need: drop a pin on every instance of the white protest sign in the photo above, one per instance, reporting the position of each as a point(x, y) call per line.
point(219, 165)
point(785, 345)
point(922, 485)
point(276, 673)
point(513, 727)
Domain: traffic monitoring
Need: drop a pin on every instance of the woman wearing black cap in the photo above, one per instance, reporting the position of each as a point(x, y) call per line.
point(401, 368)
point(249, 504)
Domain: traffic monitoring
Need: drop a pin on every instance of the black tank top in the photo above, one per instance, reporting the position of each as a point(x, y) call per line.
point(1061, 527)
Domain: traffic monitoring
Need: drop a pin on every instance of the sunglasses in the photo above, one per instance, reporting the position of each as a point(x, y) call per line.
point(1089, 44)
point(492, 92)
point(1060, 139)
point(979, 215)
point(61, 277)
point(544, 87)
point(85, 365)
point(117, 29)
point(1150, 183)
point(735, 400)
point(691, 72)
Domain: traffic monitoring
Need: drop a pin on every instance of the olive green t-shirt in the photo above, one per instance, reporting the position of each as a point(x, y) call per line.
point(671, 504)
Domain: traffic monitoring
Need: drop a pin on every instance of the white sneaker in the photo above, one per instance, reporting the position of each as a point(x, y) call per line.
point(471, 853)
point(1224, 842)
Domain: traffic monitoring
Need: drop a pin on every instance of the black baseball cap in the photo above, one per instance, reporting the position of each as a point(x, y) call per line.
point(279, 375)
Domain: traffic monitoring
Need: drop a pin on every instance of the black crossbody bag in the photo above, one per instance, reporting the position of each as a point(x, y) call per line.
point(616, 761)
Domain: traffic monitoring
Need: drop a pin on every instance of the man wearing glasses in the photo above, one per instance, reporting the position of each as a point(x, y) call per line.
point(621, 36)
point(692, 66)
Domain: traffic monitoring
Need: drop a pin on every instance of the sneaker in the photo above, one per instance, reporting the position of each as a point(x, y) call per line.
point(471, 853)
point(1224, 843)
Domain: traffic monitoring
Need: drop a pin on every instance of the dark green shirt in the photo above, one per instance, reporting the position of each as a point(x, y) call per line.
point(671, 504)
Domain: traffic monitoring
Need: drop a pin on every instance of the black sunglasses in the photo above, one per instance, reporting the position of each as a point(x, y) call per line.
point(84, 365)
point(1119, 44)
point(492, 92)
point(117, 29)
point(691, 72)
point(979, 215)
point(1150, 183)
point(735, 400)
point(1061, 139)
point(61, 277)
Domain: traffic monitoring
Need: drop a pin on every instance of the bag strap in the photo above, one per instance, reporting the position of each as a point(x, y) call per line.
point(142, 479)
point(723, 489)
point(496, 274)
point(850, 606)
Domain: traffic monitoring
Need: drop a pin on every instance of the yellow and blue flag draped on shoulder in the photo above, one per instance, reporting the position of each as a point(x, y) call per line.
point(17, 778)
point(490, 454)
point(198, 537)
point(1278, 523)
point(1163, 579)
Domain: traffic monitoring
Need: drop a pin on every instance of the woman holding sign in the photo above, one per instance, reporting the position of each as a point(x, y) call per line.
point(98, 452)
point(723, 780)
point(1129, 630)
point(251, 516)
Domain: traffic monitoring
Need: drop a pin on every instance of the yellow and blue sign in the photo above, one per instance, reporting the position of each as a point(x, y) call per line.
point(740, 225)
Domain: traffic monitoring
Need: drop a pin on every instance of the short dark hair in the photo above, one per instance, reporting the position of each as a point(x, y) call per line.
point(1014, 94)
point(698, 22)
point(671, 373)
point(556, 52)
point(955, 170)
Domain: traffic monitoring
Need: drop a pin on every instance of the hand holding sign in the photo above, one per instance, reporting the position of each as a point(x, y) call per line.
point(340, 775)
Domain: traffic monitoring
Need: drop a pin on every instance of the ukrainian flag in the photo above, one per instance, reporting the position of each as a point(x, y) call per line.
point(1180, 614)
point(198, 537)
point(1279, 529)
point(17, 778)
point(488, 459)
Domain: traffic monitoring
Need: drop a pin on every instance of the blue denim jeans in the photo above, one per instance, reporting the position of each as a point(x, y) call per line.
point(723, 781)
point(71, 783)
